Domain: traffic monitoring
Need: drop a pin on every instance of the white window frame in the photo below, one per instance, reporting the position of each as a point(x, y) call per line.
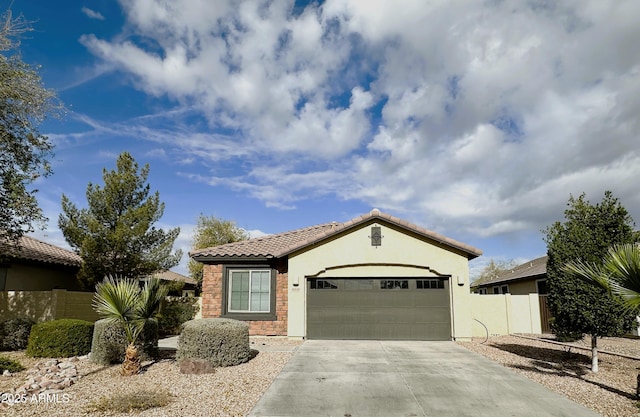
point(230, 291)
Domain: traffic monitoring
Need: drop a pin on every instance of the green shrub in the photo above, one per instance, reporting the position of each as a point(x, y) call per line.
point(175, 312)
point(60, 338)
point(10, 365)
point(14, 333)
point(222, 342)
point(110, 341)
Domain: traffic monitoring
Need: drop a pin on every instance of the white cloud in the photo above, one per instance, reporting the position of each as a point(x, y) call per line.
point(486, 115)
point(92, 14)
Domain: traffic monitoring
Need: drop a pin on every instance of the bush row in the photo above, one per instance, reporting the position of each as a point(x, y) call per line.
point(60, 338)
point(176, 311)
point(14, 333)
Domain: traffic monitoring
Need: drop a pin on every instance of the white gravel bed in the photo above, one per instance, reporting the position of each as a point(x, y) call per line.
point(230, 391)
point(609, 392)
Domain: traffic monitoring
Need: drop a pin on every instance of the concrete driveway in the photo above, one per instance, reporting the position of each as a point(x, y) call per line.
point(396, 378)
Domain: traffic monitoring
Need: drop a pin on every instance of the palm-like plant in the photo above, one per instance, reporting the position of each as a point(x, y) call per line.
point(123, 301)
point(619, 274)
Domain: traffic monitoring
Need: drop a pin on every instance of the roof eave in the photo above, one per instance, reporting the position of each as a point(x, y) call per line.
point(471, 254)
point(231, 258)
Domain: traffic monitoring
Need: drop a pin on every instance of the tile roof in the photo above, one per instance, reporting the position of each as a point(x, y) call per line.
point(282, 244)
point(174, 276)
point(32, 249)
point(529, 269)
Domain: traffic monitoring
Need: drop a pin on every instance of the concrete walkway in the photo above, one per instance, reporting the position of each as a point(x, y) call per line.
point(373, 378)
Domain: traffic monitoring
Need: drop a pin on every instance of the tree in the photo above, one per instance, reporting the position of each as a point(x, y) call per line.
point(123, 301)
point(115, 235)
point(24, 152)
point(211, 231)
point(619, 275)
point(579, 307)
point(493, 270)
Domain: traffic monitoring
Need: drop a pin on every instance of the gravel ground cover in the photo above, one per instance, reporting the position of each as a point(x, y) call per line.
point(610, 392)
point(231, 391)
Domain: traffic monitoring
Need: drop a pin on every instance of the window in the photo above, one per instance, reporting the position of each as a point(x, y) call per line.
point(425, 284)
point(394, 284)
point(250, 291)
point(323, 284)
point(482, 291)
point(503, 289)
point(3, 278)
point(541, 287)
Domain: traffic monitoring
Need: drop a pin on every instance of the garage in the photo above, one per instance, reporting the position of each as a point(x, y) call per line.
point(385, 308)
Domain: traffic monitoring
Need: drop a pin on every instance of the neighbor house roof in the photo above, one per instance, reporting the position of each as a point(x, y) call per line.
point(283, 244)
point(174, 276)
point(535, 268)
point(31, 249)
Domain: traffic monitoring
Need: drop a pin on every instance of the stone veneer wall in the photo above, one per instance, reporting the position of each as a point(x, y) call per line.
point(212, 300)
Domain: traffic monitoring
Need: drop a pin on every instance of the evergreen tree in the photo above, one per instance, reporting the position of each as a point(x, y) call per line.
point(211, 231)
point(577, 306)
point(24, 152)
point(115, 235)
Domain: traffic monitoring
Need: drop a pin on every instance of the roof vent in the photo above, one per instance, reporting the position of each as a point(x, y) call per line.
point(375, 212)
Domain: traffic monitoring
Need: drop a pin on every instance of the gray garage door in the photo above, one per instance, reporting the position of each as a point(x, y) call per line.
point(378, 308)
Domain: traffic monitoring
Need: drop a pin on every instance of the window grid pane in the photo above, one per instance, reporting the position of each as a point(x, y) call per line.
point(250, 291)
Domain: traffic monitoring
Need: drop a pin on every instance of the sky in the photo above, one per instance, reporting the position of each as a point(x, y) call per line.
point(476, 120)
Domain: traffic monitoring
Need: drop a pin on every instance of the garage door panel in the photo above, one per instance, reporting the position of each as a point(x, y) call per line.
point(370, 309)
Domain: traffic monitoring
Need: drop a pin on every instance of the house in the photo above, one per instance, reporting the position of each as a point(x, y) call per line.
point(190, 284)
point(373, 277)
point(528, 278)
point(38, 266)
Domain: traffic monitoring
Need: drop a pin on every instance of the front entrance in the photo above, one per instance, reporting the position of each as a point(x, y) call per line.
point(378, 308)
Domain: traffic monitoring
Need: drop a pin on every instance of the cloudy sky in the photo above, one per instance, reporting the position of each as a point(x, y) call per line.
point(473, 119)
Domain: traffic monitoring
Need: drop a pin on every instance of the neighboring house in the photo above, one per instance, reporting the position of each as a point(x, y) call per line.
point(38, 266)
point(528, 278)
point(190, 284)
point(373, 277)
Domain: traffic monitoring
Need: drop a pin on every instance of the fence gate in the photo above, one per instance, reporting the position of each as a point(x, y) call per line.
point(545, 314)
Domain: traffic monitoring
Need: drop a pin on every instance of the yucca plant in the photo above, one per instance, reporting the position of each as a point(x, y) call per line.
point(121, 300)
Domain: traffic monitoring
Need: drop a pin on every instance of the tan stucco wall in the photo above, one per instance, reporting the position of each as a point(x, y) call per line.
point(401, 254)
point(47, 305)
point(504, 314)
point(522, 287)
point(25, 277)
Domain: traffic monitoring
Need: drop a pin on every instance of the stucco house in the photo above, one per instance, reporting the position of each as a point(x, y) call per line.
point(527, 278)
point(373, 277)
point(38, 266)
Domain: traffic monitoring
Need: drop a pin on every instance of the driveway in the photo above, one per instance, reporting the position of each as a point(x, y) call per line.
point(397, 378)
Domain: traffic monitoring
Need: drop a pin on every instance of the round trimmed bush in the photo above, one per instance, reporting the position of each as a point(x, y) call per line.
point(14, 333)
point(110, 342)
point(221, 342)
point(60, 338)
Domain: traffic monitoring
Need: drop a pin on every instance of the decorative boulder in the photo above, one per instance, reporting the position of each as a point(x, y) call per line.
point(221, 342)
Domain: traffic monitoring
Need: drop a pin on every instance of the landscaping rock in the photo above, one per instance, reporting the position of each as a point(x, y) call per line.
point(51, 376)
point(196, 366)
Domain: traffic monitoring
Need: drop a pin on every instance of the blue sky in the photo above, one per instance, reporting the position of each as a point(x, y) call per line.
point(473, 119)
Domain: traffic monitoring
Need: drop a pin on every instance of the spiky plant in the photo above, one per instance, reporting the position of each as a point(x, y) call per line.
point(123, 301)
